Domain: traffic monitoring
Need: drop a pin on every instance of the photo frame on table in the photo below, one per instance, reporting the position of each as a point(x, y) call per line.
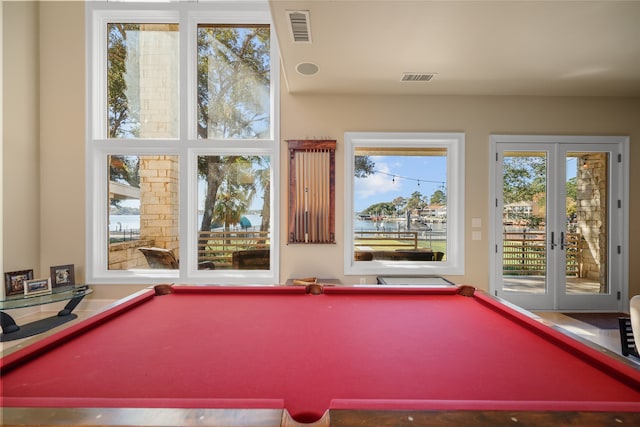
point(62, 275)
point(37, 287)
point(14, 282)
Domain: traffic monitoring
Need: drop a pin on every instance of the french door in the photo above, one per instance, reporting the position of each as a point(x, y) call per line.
point(558, 232)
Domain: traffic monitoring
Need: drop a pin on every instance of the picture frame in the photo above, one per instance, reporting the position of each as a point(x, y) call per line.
point(14, 282)
point(62, 276)
point(36, 287)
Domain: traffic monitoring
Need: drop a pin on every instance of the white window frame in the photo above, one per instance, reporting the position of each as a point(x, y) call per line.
point(454, 144)
point(618, 214)
point(187, 146)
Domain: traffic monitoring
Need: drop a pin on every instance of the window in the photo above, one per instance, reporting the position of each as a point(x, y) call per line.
point(181, 145)
point(404, 210)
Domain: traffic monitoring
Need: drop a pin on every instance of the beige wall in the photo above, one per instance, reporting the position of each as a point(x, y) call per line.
point(59, 232)
point(21, 151)
point(62, 132)
point(478, 118)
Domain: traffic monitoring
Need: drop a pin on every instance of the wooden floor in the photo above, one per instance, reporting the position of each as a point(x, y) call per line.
point(45, 311)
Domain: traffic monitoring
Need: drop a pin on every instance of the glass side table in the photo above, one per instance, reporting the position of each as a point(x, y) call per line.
point(12, 331)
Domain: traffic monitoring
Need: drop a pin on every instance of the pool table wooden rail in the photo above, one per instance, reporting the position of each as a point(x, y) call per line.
point(164, 417)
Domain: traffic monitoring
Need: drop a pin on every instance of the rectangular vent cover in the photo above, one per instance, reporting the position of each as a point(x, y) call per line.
point(300, 25)
point(417, 77)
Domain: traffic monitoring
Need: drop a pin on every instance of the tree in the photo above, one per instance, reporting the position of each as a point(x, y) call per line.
point(572, 197)
point(524, 177)
point(363, 166)
point(415, 201)
point(260, 168)
point(121, 116)
point(241, 178)
point(124, 169)
point(438, 198)
point(233, 65)
point(382, 209)
point(572, 188)
point(399, 203)
point(233, 74)
point(230, 206)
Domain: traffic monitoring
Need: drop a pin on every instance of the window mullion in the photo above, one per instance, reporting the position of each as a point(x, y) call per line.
point(187, 194)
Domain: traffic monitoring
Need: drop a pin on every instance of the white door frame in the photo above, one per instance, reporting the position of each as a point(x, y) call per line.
point(618, 223)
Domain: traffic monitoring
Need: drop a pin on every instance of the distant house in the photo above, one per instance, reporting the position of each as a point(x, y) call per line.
point(517, 210)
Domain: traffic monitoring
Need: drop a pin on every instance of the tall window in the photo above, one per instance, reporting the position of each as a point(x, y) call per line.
point(181, 143)
point(404, 208)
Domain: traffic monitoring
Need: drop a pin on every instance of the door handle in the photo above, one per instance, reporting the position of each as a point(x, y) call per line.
point(562, 242)
point(553, 244)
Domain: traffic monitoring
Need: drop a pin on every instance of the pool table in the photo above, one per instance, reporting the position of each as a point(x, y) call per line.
point(321, 355)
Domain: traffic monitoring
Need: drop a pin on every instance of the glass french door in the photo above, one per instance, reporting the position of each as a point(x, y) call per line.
point(558, 223)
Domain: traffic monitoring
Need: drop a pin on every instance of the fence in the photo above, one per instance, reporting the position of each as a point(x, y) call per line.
point(219, 246)
point(525, 253)
point(387, 239)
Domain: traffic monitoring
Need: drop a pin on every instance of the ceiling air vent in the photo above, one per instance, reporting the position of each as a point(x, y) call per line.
point(416, 77)
point(300, 25)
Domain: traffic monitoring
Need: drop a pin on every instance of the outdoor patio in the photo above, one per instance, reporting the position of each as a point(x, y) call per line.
point(536, 285)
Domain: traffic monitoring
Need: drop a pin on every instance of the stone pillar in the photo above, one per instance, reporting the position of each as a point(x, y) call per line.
point(158, 81)
point(591, 213)
point(159, 207)
point(159, 112)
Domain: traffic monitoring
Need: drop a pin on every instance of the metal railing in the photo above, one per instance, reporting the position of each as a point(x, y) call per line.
point(387, 239)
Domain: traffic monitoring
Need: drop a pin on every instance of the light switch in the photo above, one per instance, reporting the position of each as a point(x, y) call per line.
point(476, 235)
point(476, 222)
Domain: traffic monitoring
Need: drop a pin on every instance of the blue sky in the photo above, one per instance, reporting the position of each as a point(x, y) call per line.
point(409, 171)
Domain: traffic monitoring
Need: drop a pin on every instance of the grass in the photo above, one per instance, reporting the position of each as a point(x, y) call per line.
point(387, 244)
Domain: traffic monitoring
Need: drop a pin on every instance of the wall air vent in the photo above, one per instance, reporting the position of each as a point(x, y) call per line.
point(300, 25)
point(417, 77)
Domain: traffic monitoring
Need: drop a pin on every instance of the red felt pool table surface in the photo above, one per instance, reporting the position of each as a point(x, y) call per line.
point(348, 348)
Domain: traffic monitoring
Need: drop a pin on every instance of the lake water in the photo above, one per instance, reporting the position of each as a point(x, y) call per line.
point(119, 223)
point(132, 222)
point(361, 225)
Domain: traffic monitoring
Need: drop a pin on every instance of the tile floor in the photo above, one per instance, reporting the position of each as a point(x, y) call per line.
point(607, 338)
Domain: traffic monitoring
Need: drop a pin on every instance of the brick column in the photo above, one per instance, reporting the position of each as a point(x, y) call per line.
point(591, 212)
point(159, 119)
point(159, 208)
point(158, 83)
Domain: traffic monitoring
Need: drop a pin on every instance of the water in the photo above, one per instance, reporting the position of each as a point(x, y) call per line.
point(124, 222)
point(119, 223)
point(361, 225)
point(435, 231)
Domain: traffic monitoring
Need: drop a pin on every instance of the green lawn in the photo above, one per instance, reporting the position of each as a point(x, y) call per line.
point(388, 245)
